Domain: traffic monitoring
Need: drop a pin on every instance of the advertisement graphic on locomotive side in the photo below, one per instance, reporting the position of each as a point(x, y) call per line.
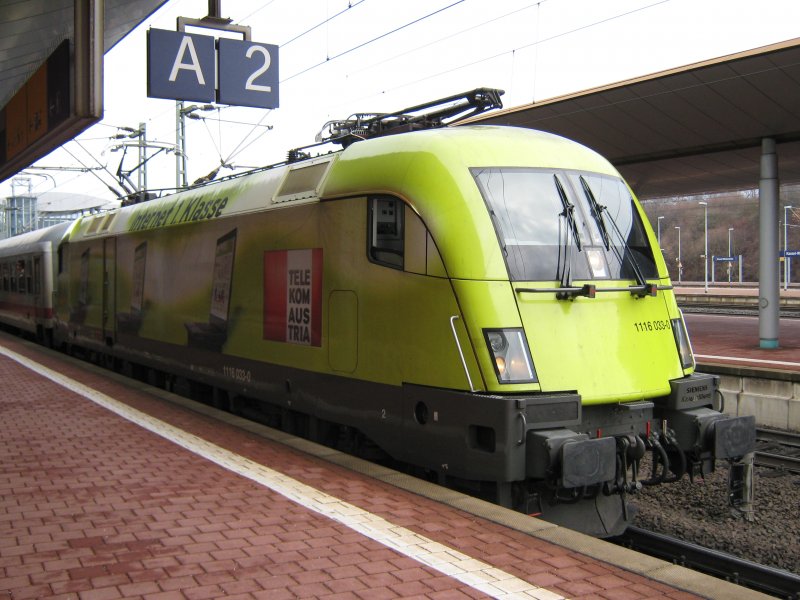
point(293, 296)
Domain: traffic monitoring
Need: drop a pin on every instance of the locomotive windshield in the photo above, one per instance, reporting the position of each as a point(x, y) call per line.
point(554, 222)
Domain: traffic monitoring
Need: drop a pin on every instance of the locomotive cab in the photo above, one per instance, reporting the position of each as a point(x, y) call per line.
point(575, 359)
point(602, 338)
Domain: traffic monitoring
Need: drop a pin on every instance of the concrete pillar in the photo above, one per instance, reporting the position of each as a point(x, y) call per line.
point(768, 284)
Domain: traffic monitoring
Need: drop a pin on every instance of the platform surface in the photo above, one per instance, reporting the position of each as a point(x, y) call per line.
point(734, 340)
point(111, 489)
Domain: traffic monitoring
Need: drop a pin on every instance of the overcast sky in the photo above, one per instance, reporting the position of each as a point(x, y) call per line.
point(339, 57)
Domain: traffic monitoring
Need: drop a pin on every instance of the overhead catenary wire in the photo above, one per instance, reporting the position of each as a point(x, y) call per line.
point(237, 150)
point(201, 118)
point(321, 23)
point(217, 147)
point(79, 161)
point(524, 46)
point(375, 39)
point(258, 10)
point(449, 37)
point(104, 167)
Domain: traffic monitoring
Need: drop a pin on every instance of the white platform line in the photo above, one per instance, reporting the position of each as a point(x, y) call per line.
point(474, 573)
point(750, 360)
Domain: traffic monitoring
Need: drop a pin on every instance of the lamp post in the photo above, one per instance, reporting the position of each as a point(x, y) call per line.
point(680, 264)
point(705, 237)
point(786, 259)
point(659, 232)
point(730, 251)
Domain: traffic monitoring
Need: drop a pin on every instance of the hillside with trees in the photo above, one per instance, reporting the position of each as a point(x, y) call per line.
point(737, 210)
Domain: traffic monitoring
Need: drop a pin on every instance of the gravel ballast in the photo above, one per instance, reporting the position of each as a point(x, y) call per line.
point(698, 512)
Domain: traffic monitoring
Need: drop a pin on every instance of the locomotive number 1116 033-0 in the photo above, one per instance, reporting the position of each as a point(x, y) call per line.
point(656, 325)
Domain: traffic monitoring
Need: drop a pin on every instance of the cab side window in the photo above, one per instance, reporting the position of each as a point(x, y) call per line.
point(386, 231)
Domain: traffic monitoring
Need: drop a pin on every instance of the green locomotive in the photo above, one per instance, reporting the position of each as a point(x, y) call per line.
point(486, 304)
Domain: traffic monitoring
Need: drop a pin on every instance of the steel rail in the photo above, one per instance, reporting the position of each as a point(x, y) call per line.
point(754, 576)
point(785, 438)
point(781, 450)
point(789, 312)
point(778, 461)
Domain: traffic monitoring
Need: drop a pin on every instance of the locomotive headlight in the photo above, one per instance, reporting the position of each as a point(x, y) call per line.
point(512, 358)
point(500, 363)
point(497, 341)
point(682, 342)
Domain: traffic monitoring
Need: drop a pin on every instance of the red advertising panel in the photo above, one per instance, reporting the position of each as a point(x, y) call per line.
point(293, 296)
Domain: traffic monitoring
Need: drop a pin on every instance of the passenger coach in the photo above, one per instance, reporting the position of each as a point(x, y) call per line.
point(27, 264)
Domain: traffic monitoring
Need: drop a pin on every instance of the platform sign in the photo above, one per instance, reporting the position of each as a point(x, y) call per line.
point(186, 66)
point(248, 73)
point(181, 66)
point(726, 259)
point(790, 253)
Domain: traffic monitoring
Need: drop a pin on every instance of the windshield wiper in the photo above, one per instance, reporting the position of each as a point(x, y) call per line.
point(597, 212)
point(642, 288)
point(569, 292)
point(569, 211)
point(572, 227)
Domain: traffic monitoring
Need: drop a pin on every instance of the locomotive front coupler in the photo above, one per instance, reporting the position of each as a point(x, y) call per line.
point(573, 459)
point(706, 435)
point(699, 428)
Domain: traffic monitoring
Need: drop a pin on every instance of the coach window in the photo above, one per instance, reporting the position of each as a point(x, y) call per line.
point(37, 275)
point(386, 231)
point(23, 288)
point(20, 276)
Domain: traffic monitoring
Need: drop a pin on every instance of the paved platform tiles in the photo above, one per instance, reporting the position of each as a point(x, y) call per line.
point(109, 491)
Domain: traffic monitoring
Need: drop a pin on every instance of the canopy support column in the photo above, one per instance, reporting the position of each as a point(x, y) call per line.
point(768, 286)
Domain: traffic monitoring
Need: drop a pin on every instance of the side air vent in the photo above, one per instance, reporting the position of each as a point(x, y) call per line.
point(303, 180)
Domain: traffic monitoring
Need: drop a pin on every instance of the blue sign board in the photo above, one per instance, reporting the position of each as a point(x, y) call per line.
point(183, 66)
point(790, 253)
point(248, 73)
point(180, 66)
point(726, 259)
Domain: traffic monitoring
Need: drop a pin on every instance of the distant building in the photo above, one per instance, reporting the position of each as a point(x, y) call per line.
point(24, 212)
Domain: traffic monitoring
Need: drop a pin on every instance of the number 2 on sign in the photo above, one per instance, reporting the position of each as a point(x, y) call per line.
point(250, 84)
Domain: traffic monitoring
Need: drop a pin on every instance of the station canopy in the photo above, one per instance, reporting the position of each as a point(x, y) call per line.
point(30, 30)
point(34, 75)
point(690, 130)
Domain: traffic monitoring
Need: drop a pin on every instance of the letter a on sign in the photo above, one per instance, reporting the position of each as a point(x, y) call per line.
point(193, 65)
point(180, 66)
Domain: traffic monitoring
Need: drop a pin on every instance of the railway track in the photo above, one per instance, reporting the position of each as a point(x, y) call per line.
point(789, 312)
point(768, 580)
point(778, 449)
